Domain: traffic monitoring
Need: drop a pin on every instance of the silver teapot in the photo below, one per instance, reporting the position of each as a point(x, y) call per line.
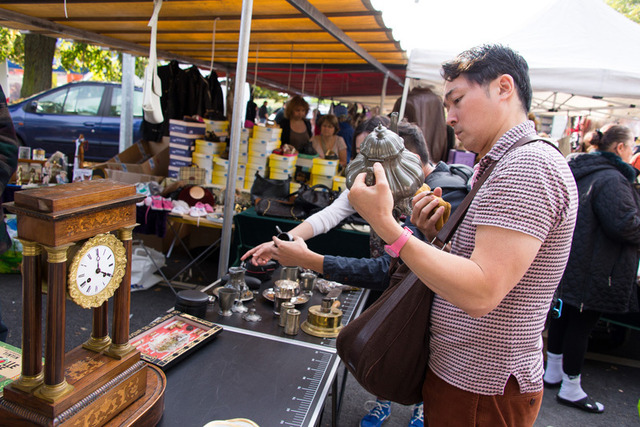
point(402, 168)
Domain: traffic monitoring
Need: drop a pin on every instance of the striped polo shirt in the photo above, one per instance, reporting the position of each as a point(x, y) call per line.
point(532, 191)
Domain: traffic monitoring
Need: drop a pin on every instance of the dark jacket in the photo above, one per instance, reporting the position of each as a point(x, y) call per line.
point(285, 137)
point(8, 161)
point(602, 268)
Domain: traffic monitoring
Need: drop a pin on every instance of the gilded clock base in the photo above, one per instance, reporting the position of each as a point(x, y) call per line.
point(51, 393)
point(28, 383)
point(97, 344)
point(118, 351)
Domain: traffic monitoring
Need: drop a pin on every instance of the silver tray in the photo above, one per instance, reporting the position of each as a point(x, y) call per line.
point(299, 299)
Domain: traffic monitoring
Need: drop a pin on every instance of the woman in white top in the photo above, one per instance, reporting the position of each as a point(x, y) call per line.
point(328, 142)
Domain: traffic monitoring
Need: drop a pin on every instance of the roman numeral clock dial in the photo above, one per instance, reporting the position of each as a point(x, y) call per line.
point(97, 270)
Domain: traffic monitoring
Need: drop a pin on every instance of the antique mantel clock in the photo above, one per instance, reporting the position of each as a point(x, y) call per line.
point(102, 382)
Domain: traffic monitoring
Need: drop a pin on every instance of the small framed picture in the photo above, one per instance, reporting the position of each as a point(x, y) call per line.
point(172, 337)
point(24, 153)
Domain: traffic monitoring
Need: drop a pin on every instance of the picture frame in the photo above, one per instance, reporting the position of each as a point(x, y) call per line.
point(170, 338)
point(24, 153)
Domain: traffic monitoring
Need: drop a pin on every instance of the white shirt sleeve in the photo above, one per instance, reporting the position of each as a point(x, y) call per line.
point(329, 217)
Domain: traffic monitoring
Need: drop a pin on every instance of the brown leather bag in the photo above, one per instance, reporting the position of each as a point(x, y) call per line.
point(391, 365)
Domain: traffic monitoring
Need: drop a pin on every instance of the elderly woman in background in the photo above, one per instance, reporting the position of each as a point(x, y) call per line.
point(328, 143)
point(296, 129)
point(600, 276)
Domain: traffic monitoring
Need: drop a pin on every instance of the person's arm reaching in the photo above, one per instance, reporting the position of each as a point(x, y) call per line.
point(318, 223)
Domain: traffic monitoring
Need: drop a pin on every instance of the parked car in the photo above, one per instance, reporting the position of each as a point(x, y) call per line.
point(53, 119)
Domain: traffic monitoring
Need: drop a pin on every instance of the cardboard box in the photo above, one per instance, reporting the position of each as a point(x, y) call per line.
point(131, 177)
point(143, 157)
point(190, 128)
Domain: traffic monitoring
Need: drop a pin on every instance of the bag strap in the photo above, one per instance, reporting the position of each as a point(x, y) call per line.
point(380, 316)
point(444, 235)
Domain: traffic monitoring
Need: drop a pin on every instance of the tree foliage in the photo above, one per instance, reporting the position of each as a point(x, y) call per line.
point(262, 93)
point(629, 8)
point(11, 45)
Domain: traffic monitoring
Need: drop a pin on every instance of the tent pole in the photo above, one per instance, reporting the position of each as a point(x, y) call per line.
point(383, 94)
point(403, 103)
point(236, 129)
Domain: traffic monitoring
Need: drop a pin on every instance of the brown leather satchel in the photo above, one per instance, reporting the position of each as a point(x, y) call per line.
point(386, 348)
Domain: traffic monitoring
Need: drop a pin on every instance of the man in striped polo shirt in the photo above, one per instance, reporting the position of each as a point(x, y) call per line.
point(494, 288)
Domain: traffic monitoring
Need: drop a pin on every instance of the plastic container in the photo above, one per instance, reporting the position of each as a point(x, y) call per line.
point(324, 167)
point(279, 174)
point(208, 147)
point(282, 162)
point(305, 161)
point(205, 161)
point(339, 183)
point(322, 179)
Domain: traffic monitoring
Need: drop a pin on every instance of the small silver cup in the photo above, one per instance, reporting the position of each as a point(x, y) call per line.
point(277, 303)
point(284, 307)
point(226, 296)
point(289, 273)
point(307, 281)
point(293, 322)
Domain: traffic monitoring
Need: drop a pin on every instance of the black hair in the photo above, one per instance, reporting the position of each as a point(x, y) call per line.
point(368, 126)
point(614, 135)
point(482, 64)
point(414, 140)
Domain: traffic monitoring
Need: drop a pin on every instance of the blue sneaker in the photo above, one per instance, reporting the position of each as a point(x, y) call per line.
point(417, 419)
point(377, 415)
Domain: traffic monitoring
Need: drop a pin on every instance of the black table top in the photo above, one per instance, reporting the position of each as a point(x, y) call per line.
point(254, 370)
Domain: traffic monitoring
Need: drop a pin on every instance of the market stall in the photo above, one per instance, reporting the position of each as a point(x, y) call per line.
point(574, 69)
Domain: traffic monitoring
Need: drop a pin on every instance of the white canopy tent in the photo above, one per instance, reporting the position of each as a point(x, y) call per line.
point(583, 59)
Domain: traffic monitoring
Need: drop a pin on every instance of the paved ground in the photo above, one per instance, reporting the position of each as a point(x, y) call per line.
point(613, 381)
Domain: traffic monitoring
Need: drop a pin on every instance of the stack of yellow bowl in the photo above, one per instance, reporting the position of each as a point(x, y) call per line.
point(209, 147)
point(323, 171)
point(260, 146)
point(204, 161)
point(220, 172)
point(217, 128)
point(267, 133)
point(281, 167)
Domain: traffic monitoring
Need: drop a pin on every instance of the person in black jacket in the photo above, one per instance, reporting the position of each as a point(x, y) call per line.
point(601, 273)
point(8, 163)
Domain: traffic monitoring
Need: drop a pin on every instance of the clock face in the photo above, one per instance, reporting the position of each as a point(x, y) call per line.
point(97, 270)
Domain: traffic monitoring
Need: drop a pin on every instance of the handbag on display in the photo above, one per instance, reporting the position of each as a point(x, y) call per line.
point(270, 188)
point(279, 208)
point(315, 198)
point(386, 348)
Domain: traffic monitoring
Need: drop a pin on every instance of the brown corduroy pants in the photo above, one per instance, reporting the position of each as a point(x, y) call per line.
point(446, 405)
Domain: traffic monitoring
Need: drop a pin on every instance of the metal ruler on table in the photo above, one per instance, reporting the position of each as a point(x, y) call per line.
point(309, 391)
